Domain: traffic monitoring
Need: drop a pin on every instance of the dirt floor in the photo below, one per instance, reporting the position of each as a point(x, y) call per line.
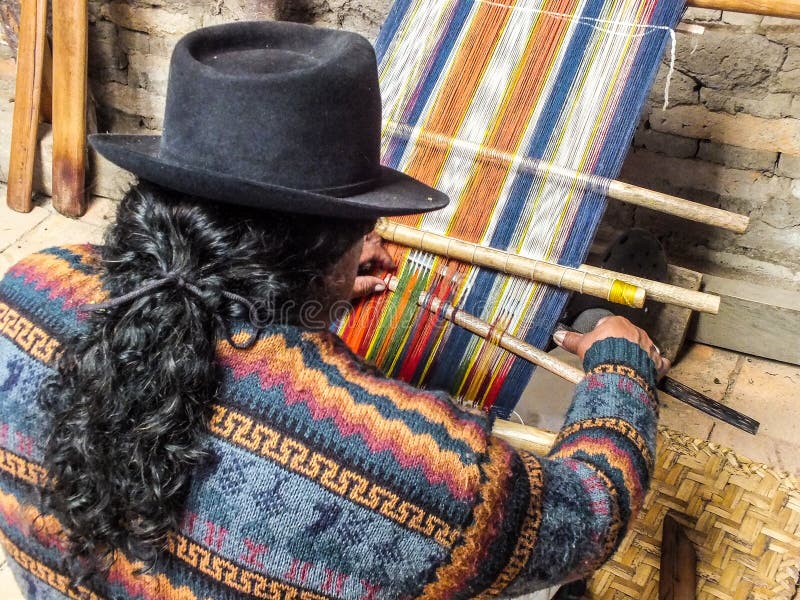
point(763, 389)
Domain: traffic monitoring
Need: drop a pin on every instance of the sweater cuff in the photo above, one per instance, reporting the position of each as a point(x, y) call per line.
point(619, 351)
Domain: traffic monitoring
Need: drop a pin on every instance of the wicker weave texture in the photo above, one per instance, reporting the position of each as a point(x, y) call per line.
point(742, 517)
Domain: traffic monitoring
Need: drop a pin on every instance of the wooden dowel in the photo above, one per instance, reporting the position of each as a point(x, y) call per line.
point(70, 56)
point(452, 247)
point(520, 436)
point(618, 190)
point(612, 289)
point(27, 100)
point(788, 8)
point(678, 207)
point(524, 437)
point(509, 342)
point(664, 292)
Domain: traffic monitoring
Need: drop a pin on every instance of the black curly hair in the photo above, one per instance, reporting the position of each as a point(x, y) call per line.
point(130, 400)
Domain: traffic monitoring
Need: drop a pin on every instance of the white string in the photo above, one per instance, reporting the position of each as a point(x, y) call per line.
point(671, 69)
point(588, 20)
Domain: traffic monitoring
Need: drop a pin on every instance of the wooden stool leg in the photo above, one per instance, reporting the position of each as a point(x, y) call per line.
point(27, 99)
point(70, 55)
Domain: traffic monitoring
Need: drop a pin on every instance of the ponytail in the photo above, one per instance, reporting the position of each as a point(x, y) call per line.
point(129, 403)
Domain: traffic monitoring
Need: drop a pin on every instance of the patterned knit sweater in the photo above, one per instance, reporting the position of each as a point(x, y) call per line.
point(330, 480)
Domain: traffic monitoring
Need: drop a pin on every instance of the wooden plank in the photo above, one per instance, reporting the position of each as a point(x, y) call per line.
point(677, 579)
point(9, 23)
point(753, 319)
point(787, 8)
point(27, 98)
point(70, 56)
point(672, 322)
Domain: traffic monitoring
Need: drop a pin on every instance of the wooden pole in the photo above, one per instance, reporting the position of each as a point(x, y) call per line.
point(584, 282)
point(509, 342)
point(539, 440)
point(789, 9)
point(27, 101)
point(546, 272)
point(664, 292)
point(618, 190)
point(70, 56)
point(520, 436)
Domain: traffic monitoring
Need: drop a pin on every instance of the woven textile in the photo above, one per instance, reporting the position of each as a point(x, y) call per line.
point(327, 479)
point(743, 519)
point(481, 97)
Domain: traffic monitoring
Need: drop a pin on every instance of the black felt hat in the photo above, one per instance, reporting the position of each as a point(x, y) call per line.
point(274, 115)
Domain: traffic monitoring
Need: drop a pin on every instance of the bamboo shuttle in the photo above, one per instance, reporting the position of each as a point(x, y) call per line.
point(612, 289)
point(787, 9)
point(625, 192)
point(546, 272)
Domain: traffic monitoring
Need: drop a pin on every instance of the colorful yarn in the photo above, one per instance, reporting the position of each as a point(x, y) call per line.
point(480, 98)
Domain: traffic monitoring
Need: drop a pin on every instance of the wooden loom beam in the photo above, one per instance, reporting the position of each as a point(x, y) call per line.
point(70, 58)
point(787, 8)
point(539, 440)
point(614, 290)
point(546, 272)
point(625, 192)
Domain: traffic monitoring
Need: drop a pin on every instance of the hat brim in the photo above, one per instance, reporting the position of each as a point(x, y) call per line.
point(395, 193)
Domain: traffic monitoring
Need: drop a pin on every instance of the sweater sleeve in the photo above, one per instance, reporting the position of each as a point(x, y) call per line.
point(549, 520)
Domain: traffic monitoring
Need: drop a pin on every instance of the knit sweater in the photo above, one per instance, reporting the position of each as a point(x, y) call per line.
point(329, 480)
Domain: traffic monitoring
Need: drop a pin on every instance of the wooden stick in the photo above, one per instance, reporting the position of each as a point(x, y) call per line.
point(664, 292)
point(548, 272)
point(618, 190)
point(787, 9)
point(509, 342)
point(537, 439)
point(593, 284)
point(524, 437)
point(677, 573)
point(27, 99)
point(70, 56)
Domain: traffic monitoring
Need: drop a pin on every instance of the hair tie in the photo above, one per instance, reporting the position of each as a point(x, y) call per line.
point(181, 283)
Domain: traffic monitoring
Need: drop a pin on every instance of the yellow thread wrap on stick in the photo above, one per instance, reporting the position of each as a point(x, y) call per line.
point(624, 293)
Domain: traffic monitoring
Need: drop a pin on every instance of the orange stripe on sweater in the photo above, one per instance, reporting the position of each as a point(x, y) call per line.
point(276, 364)
point(487, 517)
point(48, 532)
point(404, 398)
point(60, 278)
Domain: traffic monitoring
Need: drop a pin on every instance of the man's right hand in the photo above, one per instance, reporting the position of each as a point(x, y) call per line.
point(612, 327)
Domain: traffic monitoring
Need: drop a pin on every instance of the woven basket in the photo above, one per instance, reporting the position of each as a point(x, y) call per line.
point(742, 517)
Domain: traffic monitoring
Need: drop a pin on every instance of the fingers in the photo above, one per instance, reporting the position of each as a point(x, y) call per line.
point(374, 253)
point(365, 285)
point(568, 340)
point(612, 327)
point(662, 367)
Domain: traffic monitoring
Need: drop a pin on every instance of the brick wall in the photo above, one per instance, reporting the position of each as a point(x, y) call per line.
point(730, 137)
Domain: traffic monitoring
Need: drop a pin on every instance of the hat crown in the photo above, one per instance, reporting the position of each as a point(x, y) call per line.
point(286, 102)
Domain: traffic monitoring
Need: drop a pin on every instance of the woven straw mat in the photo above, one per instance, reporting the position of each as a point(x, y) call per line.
point(743, 519)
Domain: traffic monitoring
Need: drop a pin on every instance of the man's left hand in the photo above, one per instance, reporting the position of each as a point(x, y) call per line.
point(373, 256)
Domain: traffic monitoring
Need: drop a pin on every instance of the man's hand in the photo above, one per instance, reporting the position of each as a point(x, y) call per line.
point(373, 256)
point(618, 327)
